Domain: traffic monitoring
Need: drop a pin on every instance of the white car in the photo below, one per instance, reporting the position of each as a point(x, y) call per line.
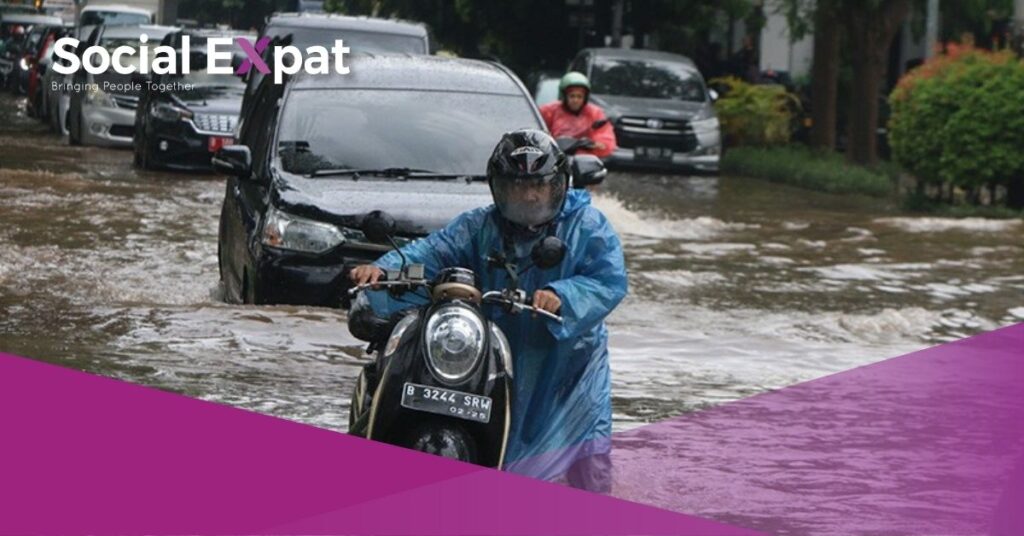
point(98, 114)
point(114, 15)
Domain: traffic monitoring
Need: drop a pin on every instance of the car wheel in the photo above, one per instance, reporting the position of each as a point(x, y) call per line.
point(249, 290)
point(55, 121)
point(40, 107)
point(146, 159)
point(74, 128)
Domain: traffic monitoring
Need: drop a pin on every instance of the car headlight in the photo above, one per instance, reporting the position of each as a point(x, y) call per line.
point(397, 333)
point(502, 347)
point(97, 97)
point(167, 112)
point(710, 123)
point(286, 231)
point(455, 342)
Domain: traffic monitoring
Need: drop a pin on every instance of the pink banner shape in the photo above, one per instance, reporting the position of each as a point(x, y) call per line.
point(81, 454)
point(931, 442)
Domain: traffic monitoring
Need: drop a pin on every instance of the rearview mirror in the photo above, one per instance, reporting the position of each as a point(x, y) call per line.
point(587, 170)
point(233, 160)
point(378, 226)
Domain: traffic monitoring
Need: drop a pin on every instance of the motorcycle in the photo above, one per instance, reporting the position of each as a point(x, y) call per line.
point(570, 145)
point(441, 381)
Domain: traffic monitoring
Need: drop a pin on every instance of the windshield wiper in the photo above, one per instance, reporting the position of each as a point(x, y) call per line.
point(401, 173)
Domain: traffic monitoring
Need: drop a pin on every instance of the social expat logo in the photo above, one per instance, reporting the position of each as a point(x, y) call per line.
point(163, 59)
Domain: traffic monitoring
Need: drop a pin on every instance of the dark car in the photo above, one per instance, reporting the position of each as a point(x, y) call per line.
point(360, 34)
point(409, 135)
point(659, 105)
point(183, 119)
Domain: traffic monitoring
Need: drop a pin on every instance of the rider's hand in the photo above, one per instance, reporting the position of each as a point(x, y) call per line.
point(598, 146)
point(547, 300)
point(366, 273)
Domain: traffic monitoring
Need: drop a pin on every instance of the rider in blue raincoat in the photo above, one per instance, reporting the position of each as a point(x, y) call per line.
point(561, 417)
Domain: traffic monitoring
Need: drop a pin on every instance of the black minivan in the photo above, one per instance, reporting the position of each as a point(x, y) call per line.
point(409, 135)
point(360, 34)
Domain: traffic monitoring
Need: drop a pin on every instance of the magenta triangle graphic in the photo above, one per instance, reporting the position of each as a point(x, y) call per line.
point(83, 454)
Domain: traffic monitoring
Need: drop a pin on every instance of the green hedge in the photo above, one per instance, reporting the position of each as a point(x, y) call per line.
point(754, 115)
point(799, 166)
point(959, 119)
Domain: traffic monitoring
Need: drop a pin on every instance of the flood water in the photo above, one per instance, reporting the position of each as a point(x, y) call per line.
point(737, 286)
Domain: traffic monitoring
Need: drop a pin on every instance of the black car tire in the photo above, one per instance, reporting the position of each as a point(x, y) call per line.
point(146, 159)
point(74, 128)
point(249, 290)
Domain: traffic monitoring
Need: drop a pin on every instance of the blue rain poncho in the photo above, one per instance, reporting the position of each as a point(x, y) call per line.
point(562, 404)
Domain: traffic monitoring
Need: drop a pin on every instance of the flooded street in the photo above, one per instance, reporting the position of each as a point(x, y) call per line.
point(737, 286)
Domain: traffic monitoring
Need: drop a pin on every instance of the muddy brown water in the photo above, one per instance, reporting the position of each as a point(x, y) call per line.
point(737, 285)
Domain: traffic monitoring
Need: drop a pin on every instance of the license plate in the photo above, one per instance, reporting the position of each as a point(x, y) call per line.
point(654, 153)
point(446, 402)
point(216, 142)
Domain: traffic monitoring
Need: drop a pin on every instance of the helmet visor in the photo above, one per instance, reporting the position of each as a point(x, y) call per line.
point(530, 201)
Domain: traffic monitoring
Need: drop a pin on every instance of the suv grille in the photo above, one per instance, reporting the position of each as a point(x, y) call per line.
point(218, 123)
point(127, 102)
point(675, 134)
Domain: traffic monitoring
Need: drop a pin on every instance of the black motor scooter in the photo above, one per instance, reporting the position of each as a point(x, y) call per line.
point(441, 381)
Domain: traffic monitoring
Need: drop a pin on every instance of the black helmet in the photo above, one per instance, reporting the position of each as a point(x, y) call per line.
point(529, 178)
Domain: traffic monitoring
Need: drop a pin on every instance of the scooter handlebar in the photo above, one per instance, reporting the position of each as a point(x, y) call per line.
point(520, 302)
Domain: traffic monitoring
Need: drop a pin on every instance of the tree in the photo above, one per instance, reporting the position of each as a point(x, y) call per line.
point(825, 75)
point(870, 27)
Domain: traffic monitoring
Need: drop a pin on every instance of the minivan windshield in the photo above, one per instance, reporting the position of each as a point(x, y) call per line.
point(359, 41)
point(652, 79)
point(436, 131)
point(113, 18)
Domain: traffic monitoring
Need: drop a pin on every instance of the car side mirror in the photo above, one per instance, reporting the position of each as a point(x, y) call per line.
point(587, 170)
point(379, 227)
point(713, 94)
point(233, 160)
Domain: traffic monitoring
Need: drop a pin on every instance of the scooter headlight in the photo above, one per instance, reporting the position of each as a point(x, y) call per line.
point(455, 342)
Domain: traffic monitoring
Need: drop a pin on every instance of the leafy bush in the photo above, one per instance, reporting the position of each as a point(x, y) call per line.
point(799, 166)
point(754, 115)
point(959, 118)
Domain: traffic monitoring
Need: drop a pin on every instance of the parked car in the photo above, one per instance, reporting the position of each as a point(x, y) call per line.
point(545, 86)
point(181, 127)
point(114, 15)
point(19, 37)
point(659, 104)
point(56, 96)
point(361, 34)
point(97, 116)
point(404, 134)
point(38, 62)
